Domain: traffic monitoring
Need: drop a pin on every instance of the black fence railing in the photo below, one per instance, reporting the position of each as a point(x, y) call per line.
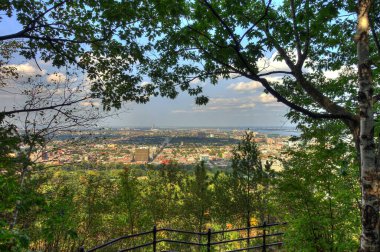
point(263, 239)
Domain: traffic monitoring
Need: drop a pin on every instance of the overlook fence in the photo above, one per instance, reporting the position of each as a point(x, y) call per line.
point(263, 239)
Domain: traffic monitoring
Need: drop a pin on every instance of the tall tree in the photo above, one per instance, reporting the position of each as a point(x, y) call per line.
point(247, 178)
point(197, 199)
point(208, 40)
point(370, 168)
point(128, 202)
point(162, 193)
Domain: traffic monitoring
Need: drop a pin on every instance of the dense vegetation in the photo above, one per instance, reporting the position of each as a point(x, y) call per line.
point(133, 50)
point(62, 209)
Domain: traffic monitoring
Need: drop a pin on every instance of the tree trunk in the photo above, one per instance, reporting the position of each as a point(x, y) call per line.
point(369, 173)
point(248, 229)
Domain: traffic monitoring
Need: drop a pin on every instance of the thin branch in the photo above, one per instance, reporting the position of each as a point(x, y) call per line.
point(208, 38)
point(26, 110)
point(273, 92)
point(274, 72)
point(224, 24)
point(29, 27)
point(257, 22)
point(237, 46)
point(308, 38)
point(35, 61)
point(344, 114)
point(376, 98)
point(295, 30)
point(208, 54)
point(64, 40)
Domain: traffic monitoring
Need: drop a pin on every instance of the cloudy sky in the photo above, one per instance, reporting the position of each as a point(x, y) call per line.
point(237, 102)
point(232, 103)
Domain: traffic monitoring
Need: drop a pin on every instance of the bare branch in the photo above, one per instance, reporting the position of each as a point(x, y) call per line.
point(25, 110)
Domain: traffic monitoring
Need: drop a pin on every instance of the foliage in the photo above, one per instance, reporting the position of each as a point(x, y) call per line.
point(113, 41)
point(318, 194)
point(81, 206)
point(250, 180)
point(197, 198)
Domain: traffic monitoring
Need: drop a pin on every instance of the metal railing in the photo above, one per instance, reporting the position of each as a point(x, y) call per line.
point(209, 235)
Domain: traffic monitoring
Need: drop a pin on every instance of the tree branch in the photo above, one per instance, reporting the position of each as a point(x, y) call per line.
point(25, 110)
point(207, 37)
point(257, 22)
point(297, 108)
point(320, 98)
point(63, 40)
point(314, 93)
point(296, 35)
point(308, 38)
point(29, 27)
point(223, 23)
point(276, 94)
point(274, 72)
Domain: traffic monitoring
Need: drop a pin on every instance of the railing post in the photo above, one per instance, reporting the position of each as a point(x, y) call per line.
point(264, 240)
point(209, 240)
point(154, 238)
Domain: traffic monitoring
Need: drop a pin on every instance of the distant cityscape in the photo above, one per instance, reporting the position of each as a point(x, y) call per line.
point(159, 146)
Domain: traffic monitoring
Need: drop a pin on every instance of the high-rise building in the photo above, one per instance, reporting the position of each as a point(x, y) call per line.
point(142, 155)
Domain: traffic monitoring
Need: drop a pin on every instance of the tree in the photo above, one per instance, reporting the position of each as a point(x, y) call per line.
point(100, 38)
point(36, 127)
point(318, 194)
point(128, 202)
point(197, 199)
point(248, 181)
point(222, 210)
point(162, 193)
point(205, 41)
point(208, 40)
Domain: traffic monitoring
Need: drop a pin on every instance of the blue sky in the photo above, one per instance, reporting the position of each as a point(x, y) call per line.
point(236, 102)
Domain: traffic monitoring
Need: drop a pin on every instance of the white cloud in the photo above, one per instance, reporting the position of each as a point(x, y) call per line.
point(56, 77)
point(267, 98)
point(332, 74)
point(245, 86)
point(28, 69)
point(90, 103)
point(233, 104)
point(266, 64)
point(222, 104)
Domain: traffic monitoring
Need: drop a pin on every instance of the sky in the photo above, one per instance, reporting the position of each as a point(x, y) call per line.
point(233, 103)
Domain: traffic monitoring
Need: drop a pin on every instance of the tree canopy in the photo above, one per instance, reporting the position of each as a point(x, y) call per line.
point(132, 50)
